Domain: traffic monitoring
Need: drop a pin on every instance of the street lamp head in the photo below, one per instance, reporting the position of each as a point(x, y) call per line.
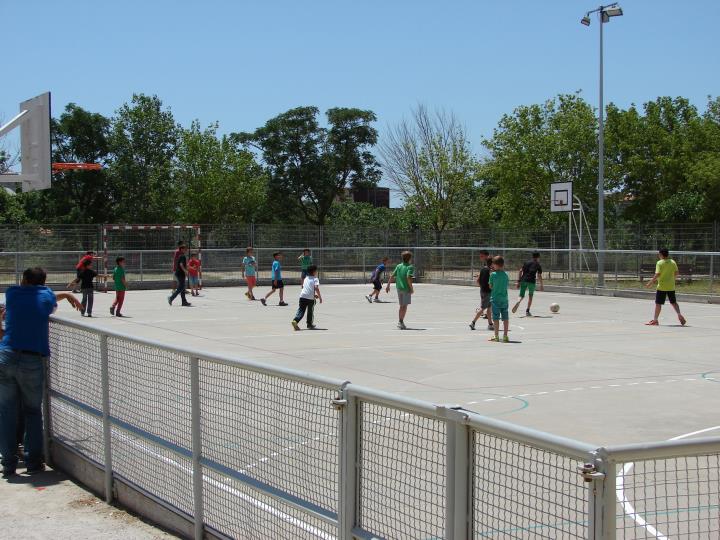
point(585, 20)
point(613, 11)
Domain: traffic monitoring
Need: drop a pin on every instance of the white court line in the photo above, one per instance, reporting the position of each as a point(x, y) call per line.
point(625, 502)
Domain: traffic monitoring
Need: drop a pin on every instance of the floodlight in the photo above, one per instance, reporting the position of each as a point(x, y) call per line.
point(585, 20)
point(614, 11)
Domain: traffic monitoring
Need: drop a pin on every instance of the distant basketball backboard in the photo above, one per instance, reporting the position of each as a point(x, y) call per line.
point(561, 197)
point(35, 151)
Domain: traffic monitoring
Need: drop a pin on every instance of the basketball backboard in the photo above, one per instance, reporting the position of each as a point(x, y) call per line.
point(561, 197)
point(35, 147)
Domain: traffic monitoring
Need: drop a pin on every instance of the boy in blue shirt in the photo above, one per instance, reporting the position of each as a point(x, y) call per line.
point(277, 282)
point(376, 280)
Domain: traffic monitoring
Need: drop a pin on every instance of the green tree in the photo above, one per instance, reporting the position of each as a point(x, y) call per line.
point(217, 181)
point(78, 136)
point(429, 160)
point(533, 147)
point(143, 142)
point(309, 166)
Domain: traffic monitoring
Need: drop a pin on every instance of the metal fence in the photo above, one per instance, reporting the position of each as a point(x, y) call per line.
point(245, 450)
point(572, 270)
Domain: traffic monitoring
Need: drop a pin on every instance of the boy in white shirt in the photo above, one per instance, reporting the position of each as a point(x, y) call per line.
point(310, 291)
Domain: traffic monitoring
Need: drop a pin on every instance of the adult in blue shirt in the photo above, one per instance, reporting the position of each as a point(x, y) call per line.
point(23, 350)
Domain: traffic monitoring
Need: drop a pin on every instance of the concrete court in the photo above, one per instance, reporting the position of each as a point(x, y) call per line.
point(592, 372)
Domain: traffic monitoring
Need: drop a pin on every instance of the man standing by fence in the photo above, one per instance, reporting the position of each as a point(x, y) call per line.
point(23, 352)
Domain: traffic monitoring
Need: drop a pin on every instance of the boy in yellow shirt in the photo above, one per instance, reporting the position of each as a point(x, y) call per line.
point(666, 270)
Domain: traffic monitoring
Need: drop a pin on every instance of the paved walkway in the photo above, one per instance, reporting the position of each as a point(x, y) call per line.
point(49, 505)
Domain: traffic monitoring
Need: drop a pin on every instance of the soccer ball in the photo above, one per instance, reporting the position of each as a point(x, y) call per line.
point(554, 308)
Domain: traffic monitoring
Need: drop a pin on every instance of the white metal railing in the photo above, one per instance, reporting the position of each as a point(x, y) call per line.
point(243, 448)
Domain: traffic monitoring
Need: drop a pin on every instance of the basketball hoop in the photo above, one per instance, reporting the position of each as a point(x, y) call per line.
point(60, 167)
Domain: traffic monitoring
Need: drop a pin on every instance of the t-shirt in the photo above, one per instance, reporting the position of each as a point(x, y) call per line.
point(484, 279)
point(276, 271)
point(194, 267)
point(305, 262)
point(87, 276)
point(378, 272)
point(176, 256)
point(308, 290)
point(181, 261)
point(401, 274)
point(81, 262)
point(249, 263)
point(530, 270)
point(118, 275)
point(666, 280)
point(27, 316)
point(499, 288)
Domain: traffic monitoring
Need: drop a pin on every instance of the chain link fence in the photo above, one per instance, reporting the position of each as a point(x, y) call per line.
point(237, 449)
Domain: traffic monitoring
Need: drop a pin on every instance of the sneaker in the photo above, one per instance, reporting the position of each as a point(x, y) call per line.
point(186, 304)
point(247, 295)
point(682, 320)
point(401, 326)
point(82, 312)
point(491, 327)
point(118, 314)
point(506, 339)
point(295, 324)
point(472, 326)
point(369, 298)
point(311, 327)
point(282, 304)
point(35, 469)
point(515, 307)
point(652, 323)
point(527, 313)
point(8, 473)
point(112, 311)
point(494, 338)
point(89, 315)
point(170, 300)
point(251, 297)
point(263, 302)
point(484, 316)
point(377, 301)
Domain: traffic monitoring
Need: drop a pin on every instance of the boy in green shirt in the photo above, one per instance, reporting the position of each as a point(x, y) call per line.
point(666, 270)
point(499, 298)
point(403, 276)
point(120, 286)
point(305, 263)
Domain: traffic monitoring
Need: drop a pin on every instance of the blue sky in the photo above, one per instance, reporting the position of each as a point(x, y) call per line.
point(241, 62)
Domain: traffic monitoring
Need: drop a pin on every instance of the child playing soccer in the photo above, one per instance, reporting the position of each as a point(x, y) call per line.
point(666, 270)
point(249, 272)
point(403, 276)
point(80, 266)
point(305, 262)
point(194, 274)
point(499, 299)
point(376, 280)
point(530, 272)
point(87, 275)
point(310, 291)
point(120, 286)
point(277, 282)
point(483, 282)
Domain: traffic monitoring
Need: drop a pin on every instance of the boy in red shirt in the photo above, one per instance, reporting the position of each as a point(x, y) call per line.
point(194, 274)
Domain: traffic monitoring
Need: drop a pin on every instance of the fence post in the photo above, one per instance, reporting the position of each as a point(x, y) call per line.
point(458, 473)
point(349, 507)
point(141, 266)
point(196, 435)
point(600, 477)
point(47, 422)
point(107, 428)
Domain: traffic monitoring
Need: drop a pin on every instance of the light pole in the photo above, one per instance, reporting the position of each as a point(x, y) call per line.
point(605, 13)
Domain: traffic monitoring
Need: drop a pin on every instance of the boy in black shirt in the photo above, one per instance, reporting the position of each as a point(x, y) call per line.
point(86, 276)
point(529, 274)
point(483, 282)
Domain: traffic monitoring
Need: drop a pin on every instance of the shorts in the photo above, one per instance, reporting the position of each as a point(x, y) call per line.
point(525, 286)
point(404, 298)
point(484, 299)
point(194, 281)
point(377, 285)
point(660, 297)
point(251, 281)
point(500, 312)
point(280, 284)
